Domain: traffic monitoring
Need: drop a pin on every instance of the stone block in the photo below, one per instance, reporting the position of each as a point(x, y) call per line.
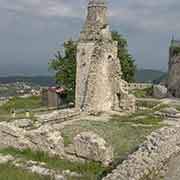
point(160, 91)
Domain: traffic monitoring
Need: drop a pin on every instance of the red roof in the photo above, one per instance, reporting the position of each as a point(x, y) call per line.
point(56, 90)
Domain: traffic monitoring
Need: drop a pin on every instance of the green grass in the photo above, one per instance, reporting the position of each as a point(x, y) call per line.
point(89, 170)
point(139, 118)
point(22, 103)
point(121, 132)
point(8, 172)
point(144, 93)
point(147, 103)
point(121, 135)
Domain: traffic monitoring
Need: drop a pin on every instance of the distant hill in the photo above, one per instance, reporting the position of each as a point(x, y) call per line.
point(143, 75)
point(37, 80)
point(161, 79)
point(148, 75)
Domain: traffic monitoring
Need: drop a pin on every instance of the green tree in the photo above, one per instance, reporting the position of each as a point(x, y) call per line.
point(126, 60)
point(64, 66)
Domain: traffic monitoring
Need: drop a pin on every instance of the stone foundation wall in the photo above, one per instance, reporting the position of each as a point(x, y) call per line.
point(58, 116)
point(152, 157)
point(139, 86)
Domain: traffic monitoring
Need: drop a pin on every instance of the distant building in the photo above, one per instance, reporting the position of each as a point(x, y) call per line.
point(53, 97)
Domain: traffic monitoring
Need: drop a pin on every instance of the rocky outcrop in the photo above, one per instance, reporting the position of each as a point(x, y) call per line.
point(151, 158)
point(168, 112)
point(86, 146)
point(57, 116)
point(51, 142)
point(11, 136)
point(90, 146)
point(159, 91)
point(40, 139)
point(23, 123)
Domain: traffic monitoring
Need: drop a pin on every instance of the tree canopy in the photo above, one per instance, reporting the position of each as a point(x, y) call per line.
point(64, 66)
point(127, 63)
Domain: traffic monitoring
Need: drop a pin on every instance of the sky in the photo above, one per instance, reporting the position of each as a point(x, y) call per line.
point(31, 31)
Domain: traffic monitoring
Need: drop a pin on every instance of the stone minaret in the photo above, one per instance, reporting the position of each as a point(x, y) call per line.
point(98, 80)
point(96, 22)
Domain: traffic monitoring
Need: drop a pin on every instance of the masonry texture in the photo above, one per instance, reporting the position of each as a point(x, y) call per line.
point(99, 86)
point(151, 160)
point(174, 69)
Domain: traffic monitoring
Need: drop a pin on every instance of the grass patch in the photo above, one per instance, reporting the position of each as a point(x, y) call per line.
point(89, 170)
point(144, 93)
point(9, 172)
point(147, 104)
point(177, 107)
point(139, 118)
point(17, 103)
point(121, 135)
point(160, 107)
point(20, 105)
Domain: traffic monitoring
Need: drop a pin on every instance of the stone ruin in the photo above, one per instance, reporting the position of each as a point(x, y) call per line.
point(174, 67)
point(99, 86)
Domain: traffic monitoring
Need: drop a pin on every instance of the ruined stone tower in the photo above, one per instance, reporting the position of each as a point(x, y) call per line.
point(98, 80)
point(174, 69)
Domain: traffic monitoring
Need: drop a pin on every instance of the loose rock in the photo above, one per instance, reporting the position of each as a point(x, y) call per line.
point(90, 146)
point(23, 123)
point(159, 91)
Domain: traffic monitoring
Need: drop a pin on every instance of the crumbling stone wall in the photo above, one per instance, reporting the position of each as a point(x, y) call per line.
point(139, 86)
point(99, 86)
point(152, 158)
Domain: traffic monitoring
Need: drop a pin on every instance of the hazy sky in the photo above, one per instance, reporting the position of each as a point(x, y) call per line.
point(32, 30)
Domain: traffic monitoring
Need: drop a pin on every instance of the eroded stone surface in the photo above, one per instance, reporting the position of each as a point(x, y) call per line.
point(91, 147)
point(151, 159)
point(40, 139)
point(168, 112)
point(159, 91)
point(23, 123)
point(86, 146)
point(99, 86)
point(57, 116)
